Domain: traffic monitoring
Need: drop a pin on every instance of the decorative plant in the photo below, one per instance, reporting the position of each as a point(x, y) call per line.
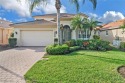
point(12, 42)
point(123, 28)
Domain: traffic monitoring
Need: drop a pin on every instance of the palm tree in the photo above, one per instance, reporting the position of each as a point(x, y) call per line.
point(92, 24)
point(77, 23)
point(80, 23)
point(35, 3)
point(123, 28)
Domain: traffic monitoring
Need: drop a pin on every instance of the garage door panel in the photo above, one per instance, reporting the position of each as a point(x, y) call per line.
point(37, 38)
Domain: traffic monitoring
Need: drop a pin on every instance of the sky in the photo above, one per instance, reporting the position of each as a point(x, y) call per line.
point(106, 10)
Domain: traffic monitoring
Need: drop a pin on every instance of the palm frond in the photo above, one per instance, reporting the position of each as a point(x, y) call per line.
point(94, 2)
point(77, 22)
point(76, 3)
point(35, 3)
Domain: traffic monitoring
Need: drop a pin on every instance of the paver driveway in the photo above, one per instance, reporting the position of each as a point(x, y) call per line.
point(16, 62)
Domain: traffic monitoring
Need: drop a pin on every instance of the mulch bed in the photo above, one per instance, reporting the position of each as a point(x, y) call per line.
point(121, 71)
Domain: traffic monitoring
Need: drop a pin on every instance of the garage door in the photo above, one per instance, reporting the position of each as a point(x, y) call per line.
point(36, 38)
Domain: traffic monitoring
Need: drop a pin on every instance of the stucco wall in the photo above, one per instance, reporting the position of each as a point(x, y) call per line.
point(5, 34)
point(112, 35)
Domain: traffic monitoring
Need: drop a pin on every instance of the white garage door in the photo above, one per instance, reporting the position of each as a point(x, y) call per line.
point(36, 38)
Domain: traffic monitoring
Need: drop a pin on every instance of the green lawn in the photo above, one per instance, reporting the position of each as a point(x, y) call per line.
point(79, 67)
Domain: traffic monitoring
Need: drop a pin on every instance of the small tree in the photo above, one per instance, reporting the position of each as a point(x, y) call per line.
point(123, 28)
point(91, 24)
point(77, 22)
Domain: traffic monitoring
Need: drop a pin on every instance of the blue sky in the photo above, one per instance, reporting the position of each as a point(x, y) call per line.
point(106, 11)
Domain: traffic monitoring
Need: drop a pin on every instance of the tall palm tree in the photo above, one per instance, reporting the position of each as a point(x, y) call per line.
point(35, 3)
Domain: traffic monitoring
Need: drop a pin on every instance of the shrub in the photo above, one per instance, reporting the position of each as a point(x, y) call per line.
point(122, 46)
point(68, 43)
point(99, 45)
point(73, 42)
point(57, 49)
point(79, 42)
point(74, 48)
point(85, 43)
point(12, 42)
point(96, 37)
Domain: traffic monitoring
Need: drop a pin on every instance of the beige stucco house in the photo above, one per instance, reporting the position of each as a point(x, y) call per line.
point(111, 31)
point(5, 31)
point(43, 30)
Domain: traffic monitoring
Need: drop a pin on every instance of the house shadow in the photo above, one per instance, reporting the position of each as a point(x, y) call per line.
point(36, 49)
point(11, 72)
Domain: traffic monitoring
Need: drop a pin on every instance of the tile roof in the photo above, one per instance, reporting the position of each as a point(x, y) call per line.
point(115, 24)
point(61, 15)
point(40, 22)
point(4, 24)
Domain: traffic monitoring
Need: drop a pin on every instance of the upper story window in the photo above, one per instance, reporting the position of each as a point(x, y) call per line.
point(107, 33)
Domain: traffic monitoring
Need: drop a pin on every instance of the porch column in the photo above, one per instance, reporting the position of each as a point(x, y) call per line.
point(74, 34)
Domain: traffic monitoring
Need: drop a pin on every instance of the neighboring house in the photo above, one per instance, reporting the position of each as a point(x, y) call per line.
point(111, 31)
point(43, 30)
point(5, 31)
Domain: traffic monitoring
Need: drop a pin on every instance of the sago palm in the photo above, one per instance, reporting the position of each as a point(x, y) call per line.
point(35, 3)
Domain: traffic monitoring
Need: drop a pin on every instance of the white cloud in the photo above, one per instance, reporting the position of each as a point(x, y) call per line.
point(49, 8)
point(92, 15)
point(23, 8)
point(4, 19)
point(110, 16)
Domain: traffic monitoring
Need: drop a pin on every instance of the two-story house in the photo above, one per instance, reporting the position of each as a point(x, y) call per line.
point(43, 30)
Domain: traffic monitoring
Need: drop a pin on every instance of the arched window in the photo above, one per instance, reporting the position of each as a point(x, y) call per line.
point(66, 33)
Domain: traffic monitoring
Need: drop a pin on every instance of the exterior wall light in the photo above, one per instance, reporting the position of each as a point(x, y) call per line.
point(16, 33)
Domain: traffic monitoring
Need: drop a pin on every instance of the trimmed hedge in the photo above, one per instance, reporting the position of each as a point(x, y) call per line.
point(95, 44)
point(57, 49)
point(12, 42)
point(75, 48)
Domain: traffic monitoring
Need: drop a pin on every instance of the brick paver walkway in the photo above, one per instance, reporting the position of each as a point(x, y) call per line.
point(16, 62)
